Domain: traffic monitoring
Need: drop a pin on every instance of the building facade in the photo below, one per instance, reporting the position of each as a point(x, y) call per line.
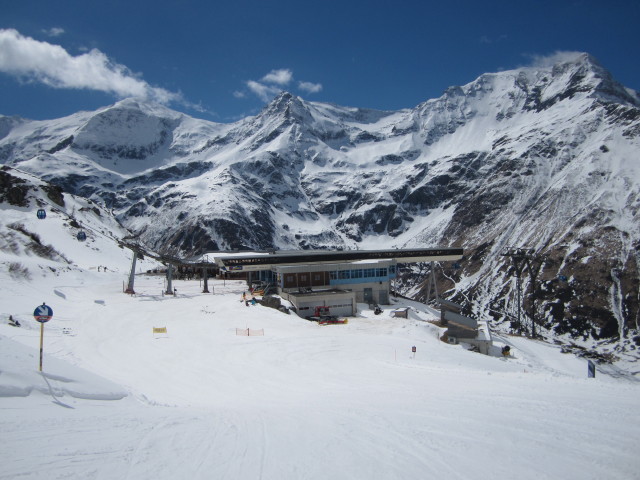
point(334, 279)
point(369, 280)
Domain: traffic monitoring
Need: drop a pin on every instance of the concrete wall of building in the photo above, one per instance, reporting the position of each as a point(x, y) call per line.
point(377, 292)
point(460, 326)
point(339, 303)
point(374, 292)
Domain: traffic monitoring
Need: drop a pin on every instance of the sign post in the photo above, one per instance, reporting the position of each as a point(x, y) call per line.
point(42, 314)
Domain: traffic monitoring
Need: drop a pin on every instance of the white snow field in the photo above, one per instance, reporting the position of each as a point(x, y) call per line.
point(303, 401)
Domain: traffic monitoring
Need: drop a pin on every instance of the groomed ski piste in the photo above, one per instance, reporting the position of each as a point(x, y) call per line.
point(303, 401)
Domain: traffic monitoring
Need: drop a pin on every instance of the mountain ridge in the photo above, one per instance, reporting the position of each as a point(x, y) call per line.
point(533, 157)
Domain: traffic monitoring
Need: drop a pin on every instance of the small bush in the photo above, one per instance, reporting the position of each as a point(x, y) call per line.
point(19, 271)
point(44, 251)
point(19, 227)
point(36, 246)
point(8, 243)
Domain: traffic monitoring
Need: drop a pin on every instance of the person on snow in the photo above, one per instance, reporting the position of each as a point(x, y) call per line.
point(12, 322)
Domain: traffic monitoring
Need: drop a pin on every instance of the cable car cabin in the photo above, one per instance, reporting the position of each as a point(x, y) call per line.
point(81, 236)
point(42, 214)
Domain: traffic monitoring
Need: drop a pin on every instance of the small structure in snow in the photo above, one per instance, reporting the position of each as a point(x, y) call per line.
point(400, 312)
point(338, 302)
point(468, 330)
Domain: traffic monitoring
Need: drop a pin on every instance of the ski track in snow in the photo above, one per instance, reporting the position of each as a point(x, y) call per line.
point(302, 402)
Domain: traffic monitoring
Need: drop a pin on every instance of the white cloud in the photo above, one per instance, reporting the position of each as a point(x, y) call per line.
point(264, 92)
point(279, 77)
point(52, 65)
point(273, 83)
point(487, 40)
point(53, 32)
point(310, 87)
point(544, 61)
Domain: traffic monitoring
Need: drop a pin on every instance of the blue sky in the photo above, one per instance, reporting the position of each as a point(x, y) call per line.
point(224, 60)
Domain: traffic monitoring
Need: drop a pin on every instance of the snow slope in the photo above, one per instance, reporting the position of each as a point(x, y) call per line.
point(302, 401)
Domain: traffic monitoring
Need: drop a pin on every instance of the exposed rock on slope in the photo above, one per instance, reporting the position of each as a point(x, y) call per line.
point(542, 158)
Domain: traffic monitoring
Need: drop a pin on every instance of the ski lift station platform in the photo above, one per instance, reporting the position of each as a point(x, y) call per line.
point(334, 279)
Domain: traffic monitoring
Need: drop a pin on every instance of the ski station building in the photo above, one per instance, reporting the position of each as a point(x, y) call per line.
point(334, 279)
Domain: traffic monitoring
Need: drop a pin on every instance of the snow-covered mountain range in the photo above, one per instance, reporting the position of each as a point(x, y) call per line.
point(545, 158)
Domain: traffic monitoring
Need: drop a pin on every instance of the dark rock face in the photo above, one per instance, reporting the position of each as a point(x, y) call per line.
point(13, 190)
point(55, 194)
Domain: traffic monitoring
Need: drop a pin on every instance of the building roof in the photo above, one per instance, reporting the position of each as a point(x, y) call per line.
point(252, 261)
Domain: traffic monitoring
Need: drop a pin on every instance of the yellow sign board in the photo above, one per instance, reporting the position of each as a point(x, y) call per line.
point(159, 329)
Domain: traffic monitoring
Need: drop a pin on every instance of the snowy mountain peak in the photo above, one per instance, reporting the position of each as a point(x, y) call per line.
point(146, 107)
point(129, 129)
point(289, 107)
point(576, 74)
point(543, 157)
point(8, 123)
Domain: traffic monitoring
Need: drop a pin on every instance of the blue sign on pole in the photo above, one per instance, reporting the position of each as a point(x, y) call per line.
point(43, 313)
